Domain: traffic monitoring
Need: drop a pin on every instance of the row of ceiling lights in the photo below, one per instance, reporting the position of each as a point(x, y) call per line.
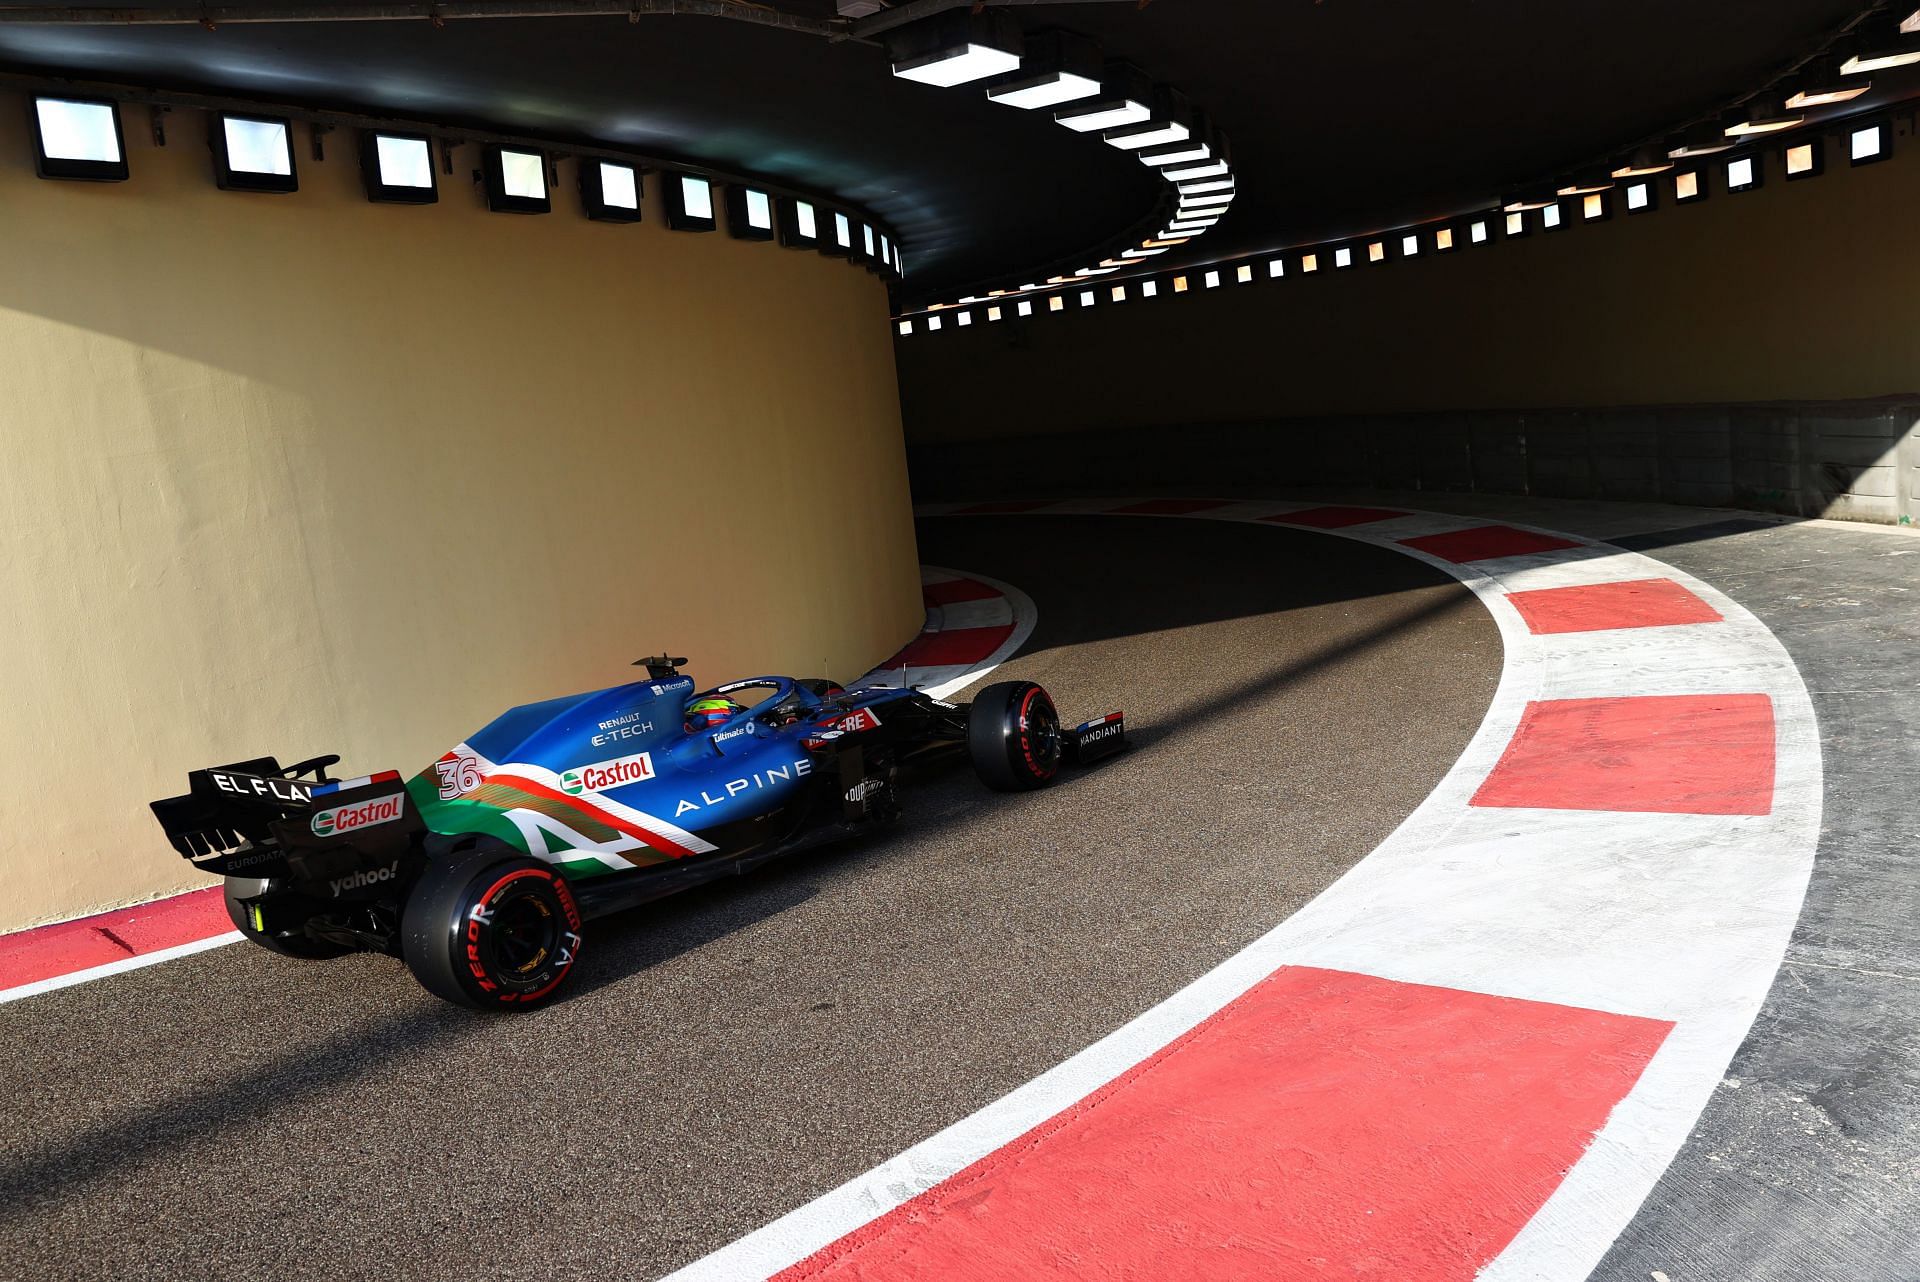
point(1057, 69)
point(1066, 73)
point(82, 139)
point(1834, 77)
point(1686, 184)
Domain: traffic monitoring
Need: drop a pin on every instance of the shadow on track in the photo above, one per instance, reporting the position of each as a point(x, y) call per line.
point(1099, 569)
point(624, 945)
point(314, 1070)
point(731, 1051)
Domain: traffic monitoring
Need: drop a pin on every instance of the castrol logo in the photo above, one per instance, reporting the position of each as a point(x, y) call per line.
point(607, 774)
point(361, 814)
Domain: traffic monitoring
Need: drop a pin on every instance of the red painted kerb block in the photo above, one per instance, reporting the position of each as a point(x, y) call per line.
point(1486, 542)
point(1334, 518)
point(1601, 607)
point(1323, 1125)
point(952, 647)
point(954, 591)
point(1170, 507)
point(1697, 754)
point(48, 952)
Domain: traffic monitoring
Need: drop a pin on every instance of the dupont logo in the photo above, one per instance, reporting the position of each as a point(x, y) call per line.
point(602, 775)
point(361, 814)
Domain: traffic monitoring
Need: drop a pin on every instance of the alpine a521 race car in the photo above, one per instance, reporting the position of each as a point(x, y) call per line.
point(481, 870)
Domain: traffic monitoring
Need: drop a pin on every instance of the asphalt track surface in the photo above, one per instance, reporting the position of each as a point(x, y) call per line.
point(1806, 1164)
point(727, 1055)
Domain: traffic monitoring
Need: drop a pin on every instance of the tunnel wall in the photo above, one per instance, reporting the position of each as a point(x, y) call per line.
point(295, 474)
point(1843, 461)
point(1757, 348)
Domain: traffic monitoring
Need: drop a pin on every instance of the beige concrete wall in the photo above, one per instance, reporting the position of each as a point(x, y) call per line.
point(1801, 291)
point(300, 474)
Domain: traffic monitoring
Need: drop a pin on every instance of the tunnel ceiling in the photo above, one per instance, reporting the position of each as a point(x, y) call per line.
point(1345, 115)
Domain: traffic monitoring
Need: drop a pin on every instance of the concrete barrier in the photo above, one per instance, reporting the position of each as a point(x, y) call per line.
point(1854, 461)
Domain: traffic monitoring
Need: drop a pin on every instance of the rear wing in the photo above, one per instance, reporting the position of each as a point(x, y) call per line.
point(255, 818)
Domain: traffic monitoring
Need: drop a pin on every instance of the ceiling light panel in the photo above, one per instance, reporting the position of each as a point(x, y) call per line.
point(1057, 67)
point(1206, 169)
point(1869, 143)
point(689, 202)
point(1821, 84)
point(78, 138)
point(1885, 46)
point(1177, 154)
point(619, 184)
point(253, 153)
point(1059, 87)
point(798, 222)
point(1124, 99)
point(956, 48)
point(1759, 118)
point(959, 66)
point(398, 168)
point(1805, 98)
point(1104, 115)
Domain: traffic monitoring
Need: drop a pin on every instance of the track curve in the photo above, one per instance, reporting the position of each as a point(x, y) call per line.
point(1589, 908)
point(733, 1053)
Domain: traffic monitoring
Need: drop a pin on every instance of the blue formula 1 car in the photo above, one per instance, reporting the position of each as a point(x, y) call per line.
point(481, 870)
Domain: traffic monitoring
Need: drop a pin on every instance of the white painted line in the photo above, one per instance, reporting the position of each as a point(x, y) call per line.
point(994, 612)
point(125, 964)
point(1550, 570)
point(1675, 917)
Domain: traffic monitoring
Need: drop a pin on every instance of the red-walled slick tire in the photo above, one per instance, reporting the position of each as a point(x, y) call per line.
point(1013, 736)
point(491, 930)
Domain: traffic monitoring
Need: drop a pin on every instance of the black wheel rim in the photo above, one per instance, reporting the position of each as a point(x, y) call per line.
point(526, 930)
point(1043, 732)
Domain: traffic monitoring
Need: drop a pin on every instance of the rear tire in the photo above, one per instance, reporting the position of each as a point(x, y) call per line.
point(1013, 736)
point(491, 930)
point(301, 945)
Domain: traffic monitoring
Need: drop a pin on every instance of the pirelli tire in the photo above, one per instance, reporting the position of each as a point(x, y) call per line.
point(286, 943)
point(491, 930)
point(1013, 736)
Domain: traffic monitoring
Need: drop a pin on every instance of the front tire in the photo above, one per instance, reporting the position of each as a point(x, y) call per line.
point(491, 930)
point(259, 929)
point(1013, 736)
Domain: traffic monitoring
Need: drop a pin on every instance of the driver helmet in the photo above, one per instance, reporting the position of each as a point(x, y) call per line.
point(710, 713)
